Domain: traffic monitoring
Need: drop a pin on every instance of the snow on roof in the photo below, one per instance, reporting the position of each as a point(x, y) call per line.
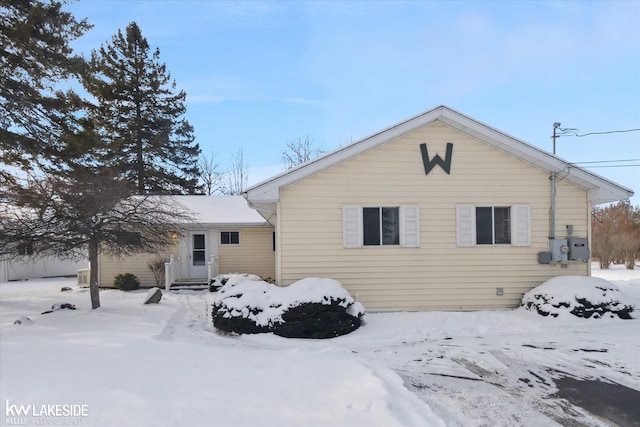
point(220, 210)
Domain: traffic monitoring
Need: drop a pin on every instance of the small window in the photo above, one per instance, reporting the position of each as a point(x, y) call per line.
point(381, 226)
point(229, 237)
point(493, 226)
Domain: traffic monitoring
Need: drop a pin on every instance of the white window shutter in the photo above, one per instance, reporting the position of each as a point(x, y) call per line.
point(352, 226)
point(520, 225)
point(409, 226)
point(466, 225)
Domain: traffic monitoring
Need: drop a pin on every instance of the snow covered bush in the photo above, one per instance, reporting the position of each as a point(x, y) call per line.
point(587, 297)
point(221, 279)
point(126, 282)
point(308, 308)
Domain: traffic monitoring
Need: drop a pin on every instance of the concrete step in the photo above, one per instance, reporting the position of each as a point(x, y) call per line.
point(192, 285)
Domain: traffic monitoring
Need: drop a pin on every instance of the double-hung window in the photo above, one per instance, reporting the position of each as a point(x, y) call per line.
point(493, 225)
point(380, 226)
point(229, 237)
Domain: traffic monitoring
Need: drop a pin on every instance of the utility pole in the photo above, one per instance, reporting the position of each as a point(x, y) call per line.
point(556, 125)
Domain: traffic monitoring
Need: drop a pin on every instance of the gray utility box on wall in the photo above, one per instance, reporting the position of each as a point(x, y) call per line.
point(559, 249)
point(578, 249)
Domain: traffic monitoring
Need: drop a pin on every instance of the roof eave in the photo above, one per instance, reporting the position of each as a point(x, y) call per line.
point(269, 190)
point(600, 190)
point(202, 225)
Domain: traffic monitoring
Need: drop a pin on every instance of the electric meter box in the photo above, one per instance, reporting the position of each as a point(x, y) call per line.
point(559, 250)
point(578, 249)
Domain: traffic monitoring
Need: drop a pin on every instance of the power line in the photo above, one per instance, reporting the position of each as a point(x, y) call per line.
point(607, 161)
point(612, 166)
point(574, 132)
point(599, 163)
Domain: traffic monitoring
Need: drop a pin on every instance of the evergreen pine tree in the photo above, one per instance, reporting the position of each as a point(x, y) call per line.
point(35, 57)
point(140, 117)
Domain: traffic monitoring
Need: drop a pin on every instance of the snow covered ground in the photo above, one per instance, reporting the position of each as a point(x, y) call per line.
point(129, 364)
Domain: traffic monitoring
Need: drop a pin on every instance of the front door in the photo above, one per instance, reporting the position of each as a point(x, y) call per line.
point(198, 256)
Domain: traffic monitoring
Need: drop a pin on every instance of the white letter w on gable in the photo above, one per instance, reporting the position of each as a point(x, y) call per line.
point(437, 160)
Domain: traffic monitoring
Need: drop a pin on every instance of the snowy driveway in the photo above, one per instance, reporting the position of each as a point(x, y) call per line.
point(164, 365)
point(497, 367)
point(478, 368)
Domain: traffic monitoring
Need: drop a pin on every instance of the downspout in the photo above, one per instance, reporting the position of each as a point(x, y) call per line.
point(589, 210)
point(552, 213)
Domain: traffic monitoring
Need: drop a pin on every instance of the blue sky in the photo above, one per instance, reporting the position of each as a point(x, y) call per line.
point(260, 74)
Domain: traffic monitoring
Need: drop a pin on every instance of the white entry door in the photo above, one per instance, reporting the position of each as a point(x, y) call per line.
point(199, 255)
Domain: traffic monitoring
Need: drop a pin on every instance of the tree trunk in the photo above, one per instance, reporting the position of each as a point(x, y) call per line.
point(94, 290)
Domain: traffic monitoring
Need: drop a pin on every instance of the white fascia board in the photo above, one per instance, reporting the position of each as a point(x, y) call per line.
point(269, 191)
point(268, 210)
point(601, 190)
point(504, 142)
point(605, 195)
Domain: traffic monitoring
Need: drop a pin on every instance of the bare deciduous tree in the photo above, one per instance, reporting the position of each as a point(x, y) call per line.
point(211, 178)
point(616, 234)
point(299, 151)
point(156, 266)
point(238, 175)
point(87, 210)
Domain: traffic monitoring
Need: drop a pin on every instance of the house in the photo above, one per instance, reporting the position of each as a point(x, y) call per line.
point(226, 236)
point(437, 212)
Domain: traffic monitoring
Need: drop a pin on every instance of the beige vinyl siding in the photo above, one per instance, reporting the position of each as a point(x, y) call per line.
point(137, 264)
point(438, 274)
point(253, 255)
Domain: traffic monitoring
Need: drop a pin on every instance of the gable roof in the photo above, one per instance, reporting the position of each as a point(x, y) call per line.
point(220, 211)
point(600, 190)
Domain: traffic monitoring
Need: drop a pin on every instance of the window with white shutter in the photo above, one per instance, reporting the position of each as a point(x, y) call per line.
point(352, 226)
point(520, 225)
point(493, 225)
point(466, 225)
point(409, 226)
point(380, 226)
